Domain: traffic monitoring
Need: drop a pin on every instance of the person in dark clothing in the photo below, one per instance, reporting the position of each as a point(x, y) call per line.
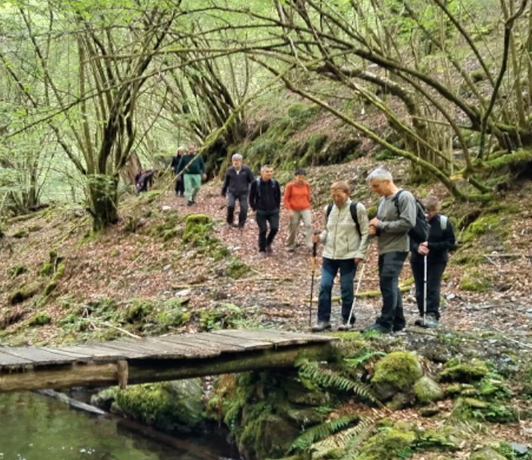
point(194, 172)
point(144, 180)
point(265, 199)
point(180, 181)
point(436, 251)
point(236, 187)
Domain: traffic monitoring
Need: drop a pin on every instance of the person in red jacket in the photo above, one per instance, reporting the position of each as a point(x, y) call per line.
point(297, 202)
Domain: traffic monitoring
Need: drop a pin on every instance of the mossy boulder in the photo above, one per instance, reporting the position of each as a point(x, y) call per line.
point(221, 316)
point(198, 230)
point(427, 390)
point(466, 408)
point(22, 294)
point(389, 444)
point(487, 454)
point(170, 406)
point(397, 371)
point(236, 268)
point(464, 371)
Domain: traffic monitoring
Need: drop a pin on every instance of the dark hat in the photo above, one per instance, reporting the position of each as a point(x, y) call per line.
point(300, 171)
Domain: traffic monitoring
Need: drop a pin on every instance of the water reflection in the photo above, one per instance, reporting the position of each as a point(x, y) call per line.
point(36, 428)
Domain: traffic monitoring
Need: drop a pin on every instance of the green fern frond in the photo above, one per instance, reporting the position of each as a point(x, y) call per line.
point(330, 379)
point(321, 431)
point(355, 362)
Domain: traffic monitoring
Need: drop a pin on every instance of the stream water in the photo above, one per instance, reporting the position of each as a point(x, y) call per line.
point(33, 427)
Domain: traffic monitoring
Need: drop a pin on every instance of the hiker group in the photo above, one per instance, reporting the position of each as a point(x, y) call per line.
point(402, 225)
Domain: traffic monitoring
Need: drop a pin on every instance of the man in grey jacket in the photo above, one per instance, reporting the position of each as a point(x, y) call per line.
point(346, 243)
point(396, 215)
point(238, 179)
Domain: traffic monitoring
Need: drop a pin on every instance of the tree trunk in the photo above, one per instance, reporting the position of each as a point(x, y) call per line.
point(103, 201)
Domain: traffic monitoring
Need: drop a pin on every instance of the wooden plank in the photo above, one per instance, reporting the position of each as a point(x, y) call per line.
point(101, 354)
point(11, 360)
point(180, 348)
point(290, 338)
point(156, 350)
point(38, 356)
point(79, 356)
point(207, 341)
point(255, 344)
point(197, 347)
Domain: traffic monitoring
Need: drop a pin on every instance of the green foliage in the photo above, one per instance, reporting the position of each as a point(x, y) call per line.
point(17, 270)
point(40, 319)
point(222, 316)
point(389, 443)
point(476, 280)
point(327, 378)
point(236, 268)
point(198, 231)
point(319, 432)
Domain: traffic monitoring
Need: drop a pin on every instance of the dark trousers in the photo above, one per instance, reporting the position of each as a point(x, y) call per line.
point(390, 266)
point(180, 185)
point(435, 271)
point(263, 218)
point(329, 270)
point(243, 201)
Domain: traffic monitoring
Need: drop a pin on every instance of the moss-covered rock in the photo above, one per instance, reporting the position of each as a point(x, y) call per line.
point(464, 371)
point(221, 316)
point(170, 406)
point(388, 444)
point(22, 294)
point(487, 454)
point(427, 390)
point(397, 371)
point(476, 280)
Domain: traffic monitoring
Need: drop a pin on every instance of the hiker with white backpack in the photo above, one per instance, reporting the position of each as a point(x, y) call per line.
point(428, 260)
point(345, 240)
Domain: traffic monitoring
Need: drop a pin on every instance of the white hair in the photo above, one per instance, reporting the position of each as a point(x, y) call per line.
point(265, 167)
point(181, 149)
point(380, 174)
point(236, 156)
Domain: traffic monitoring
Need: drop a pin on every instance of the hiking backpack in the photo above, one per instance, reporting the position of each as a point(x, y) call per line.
point(421, 229)
point(352, 209)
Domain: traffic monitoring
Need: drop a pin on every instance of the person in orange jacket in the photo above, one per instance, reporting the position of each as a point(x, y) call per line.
point(297, 202)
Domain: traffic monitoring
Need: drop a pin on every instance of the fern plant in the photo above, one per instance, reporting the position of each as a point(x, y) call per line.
point(321, 431)
point(330, 379)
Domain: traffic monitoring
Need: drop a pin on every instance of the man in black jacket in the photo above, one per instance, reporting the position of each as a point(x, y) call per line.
point(236, 186)
point(265, 199)
point(179, 181)
point(436, 251)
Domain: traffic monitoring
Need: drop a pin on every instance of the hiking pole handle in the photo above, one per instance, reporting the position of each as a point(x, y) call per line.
point(314, 249)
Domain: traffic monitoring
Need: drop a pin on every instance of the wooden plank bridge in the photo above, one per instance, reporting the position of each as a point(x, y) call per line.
point(154, 359)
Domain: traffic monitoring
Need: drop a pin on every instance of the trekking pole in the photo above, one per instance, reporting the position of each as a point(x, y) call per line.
point(313, 265)
point(356, 293)
point(424, 291)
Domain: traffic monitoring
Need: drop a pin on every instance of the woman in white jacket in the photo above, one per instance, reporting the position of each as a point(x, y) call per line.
point(346, 241)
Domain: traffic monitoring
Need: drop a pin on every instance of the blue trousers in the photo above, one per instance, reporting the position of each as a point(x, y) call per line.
point(329, 269)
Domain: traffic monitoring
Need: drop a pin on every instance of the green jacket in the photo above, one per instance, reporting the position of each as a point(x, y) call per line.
point(196, 167)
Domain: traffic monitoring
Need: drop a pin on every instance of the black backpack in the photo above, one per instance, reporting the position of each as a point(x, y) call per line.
point(420, 231)
point(352, 208)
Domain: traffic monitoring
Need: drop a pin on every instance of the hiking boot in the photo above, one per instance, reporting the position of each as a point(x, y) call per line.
point(398, 327)
point(262, 254)
point(321, 326)
point(345, 326)
point(269, 249)
point(190, 203)
point(378, 328)
point(430, 322)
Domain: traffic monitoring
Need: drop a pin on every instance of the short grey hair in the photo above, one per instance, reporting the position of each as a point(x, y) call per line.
point(181, 149)
point(236, 156)
point(431, 203)
point(380, 174)
point(265, 167)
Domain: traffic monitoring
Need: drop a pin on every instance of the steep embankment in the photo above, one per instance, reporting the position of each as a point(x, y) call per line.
point(154, 272)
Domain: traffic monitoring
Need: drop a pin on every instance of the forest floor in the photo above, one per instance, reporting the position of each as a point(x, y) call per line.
point(123, 264)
